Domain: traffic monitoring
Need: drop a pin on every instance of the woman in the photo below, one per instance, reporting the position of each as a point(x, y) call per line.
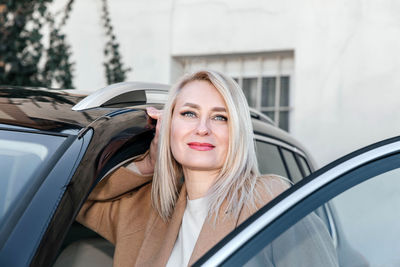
point(205, 181)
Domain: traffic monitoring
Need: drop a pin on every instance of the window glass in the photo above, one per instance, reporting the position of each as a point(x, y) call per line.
point(369, 218)
point(21, 157)
point(250, 90)
point(307, 243)
point(284, 120)
point(265, 79)
point(292, 165)
point(269, 159)
point(304, 165)
point(268, 91)
point(270, 114)
point(284, 96)
point(365, 221)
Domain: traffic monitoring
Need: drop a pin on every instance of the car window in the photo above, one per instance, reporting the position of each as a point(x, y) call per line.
point(21, 157)
point(269, 159)
point(365, 202)
point(369, 219)
point(304, 165)
point(292, 166)
point(307, 243)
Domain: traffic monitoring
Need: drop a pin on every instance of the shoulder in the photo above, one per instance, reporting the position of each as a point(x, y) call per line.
point(271, 185)
point(119, 183)
point(266, 188)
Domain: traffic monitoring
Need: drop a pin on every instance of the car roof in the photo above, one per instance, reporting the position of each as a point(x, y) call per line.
point(43, 109)
point(268, 129)
point(54, 110)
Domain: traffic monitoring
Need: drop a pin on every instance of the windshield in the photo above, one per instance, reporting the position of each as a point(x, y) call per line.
point(23, 158)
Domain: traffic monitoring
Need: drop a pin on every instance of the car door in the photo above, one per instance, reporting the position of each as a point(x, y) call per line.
point(362, 193)
point(35, 169)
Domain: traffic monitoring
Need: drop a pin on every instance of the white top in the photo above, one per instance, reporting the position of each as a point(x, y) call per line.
point(192, 222)
point(193, 219)
point(132, 166)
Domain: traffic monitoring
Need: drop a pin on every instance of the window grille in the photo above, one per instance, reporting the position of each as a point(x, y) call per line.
point(266, 79)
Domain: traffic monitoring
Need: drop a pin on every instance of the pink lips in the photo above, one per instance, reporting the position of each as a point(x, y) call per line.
point(201, 146)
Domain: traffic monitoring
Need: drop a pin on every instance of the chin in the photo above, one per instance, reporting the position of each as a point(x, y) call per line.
point(196, 162)
point(200, 166)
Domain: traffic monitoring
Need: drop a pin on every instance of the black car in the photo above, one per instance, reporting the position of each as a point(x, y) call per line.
point(55, 146)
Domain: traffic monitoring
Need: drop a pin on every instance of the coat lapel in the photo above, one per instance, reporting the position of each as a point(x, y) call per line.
point(212, 233)
point(160, 240)
point(161, 236)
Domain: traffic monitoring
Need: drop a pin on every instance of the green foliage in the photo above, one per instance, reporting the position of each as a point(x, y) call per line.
point(114, 69)
point(28, 58)
point(24, 60)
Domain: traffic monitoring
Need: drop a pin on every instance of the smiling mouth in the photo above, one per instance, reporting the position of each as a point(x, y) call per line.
point(201, 146)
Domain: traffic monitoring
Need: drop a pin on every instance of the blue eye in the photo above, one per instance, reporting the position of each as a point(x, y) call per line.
point(188, 114)
point(220, 118)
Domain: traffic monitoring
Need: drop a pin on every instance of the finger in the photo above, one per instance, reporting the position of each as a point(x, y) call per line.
point(158, 127)
point(153, 112)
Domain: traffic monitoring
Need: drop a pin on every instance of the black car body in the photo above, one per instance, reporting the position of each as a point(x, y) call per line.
point(83, 145)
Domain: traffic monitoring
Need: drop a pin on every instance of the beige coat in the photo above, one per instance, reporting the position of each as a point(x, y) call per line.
point(120, 210)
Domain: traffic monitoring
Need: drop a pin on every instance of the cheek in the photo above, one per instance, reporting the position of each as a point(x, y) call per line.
point(176, 137)
point(224, 138)
point(176, 130)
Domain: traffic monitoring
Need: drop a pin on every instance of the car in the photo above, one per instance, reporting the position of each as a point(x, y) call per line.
point(56, 145)
point(362, 192)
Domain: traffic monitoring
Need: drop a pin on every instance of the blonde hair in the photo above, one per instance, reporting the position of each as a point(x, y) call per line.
point(237, 179)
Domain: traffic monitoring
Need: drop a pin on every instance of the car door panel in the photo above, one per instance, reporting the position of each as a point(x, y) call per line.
point(348, 173)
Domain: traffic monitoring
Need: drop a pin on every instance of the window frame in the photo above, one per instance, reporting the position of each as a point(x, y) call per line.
point(296, 152)
point(256, 65)
point(289, 169)
point(38, 177)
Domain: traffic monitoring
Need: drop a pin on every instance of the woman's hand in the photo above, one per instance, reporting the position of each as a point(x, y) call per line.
point(146, 165)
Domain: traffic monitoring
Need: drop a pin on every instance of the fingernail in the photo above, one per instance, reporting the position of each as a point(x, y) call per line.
point(150, 110)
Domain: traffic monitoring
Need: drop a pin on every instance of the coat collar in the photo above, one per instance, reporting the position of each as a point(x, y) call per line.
point(154, 252)
point(210, 234)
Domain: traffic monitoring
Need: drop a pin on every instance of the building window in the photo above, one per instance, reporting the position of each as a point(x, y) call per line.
point(266, 79)
point(271, 97)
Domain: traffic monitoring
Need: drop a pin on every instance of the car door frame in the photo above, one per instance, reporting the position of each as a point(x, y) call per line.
point(302, 198)
point(27, 234)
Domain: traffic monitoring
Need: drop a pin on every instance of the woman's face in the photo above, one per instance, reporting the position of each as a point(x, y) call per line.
point(199, 128)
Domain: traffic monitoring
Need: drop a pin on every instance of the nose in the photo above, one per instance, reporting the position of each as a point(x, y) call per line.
point(203, 128)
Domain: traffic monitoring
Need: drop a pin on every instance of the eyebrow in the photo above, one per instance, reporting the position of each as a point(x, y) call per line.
point(195, 106)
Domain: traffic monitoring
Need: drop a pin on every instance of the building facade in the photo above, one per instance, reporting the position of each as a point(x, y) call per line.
point(326, 71)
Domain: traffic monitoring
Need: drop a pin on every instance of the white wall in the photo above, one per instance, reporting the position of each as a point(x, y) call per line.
point(226, 26)
point(142, 30)
point(345, 87)
point(347, 82)
point(346, 61)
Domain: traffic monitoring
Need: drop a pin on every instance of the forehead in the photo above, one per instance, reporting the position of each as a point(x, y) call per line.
point(201, 93)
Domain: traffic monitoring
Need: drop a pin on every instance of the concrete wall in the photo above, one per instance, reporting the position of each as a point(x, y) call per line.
point(347, 82)
point(345, 86)
point(142, 29)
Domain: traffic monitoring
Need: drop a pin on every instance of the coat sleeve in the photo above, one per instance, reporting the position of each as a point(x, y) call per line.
point(119, 203)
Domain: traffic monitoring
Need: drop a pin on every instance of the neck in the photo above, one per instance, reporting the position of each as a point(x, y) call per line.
point(198, 182)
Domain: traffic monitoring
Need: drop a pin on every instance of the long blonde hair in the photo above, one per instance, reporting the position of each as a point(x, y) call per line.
point(238, 176)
